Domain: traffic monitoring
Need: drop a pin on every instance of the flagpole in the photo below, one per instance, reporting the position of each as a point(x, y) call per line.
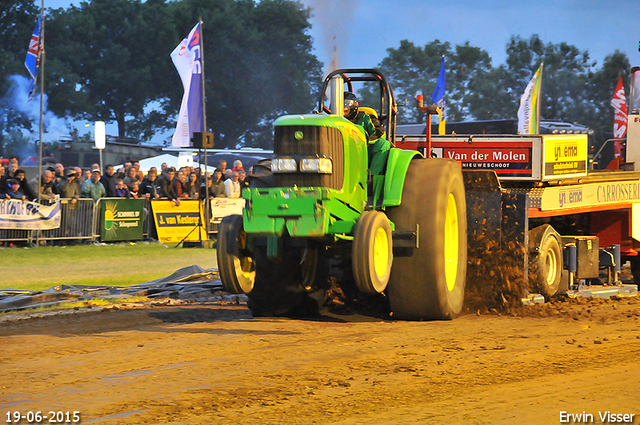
point(41, 97)
point(204, 129)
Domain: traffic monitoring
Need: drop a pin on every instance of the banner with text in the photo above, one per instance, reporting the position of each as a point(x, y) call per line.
point(184, 222)
point(222, 207)
point(121, 219)
point(590, 195)
point(565, 155)
point(25, 215)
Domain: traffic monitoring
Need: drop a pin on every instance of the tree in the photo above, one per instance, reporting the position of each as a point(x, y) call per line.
point(109, 60)
point(413, 70)
point(105, 59)
point(258, 65)
point(17, 21)
point(600, 87)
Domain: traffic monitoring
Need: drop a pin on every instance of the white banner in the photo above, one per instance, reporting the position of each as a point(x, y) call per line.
point(26, 215)
point(222, 207)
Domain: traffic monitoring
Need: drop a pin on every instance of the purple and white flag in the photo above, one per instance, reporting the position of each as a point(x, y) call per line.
point(187, 58)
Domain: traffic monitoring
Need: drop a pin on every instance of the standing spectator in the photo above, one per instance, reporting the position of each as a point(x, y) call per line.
point(121, 189)
point(227, 175)
point(122, 172)
point(149, 187)
point(69, 188)
point(24, 185)
point(237, 165)
point(178, 185)
point(132, 175)
point(192, 186)
point(14, 191)
point(232, 186)
point(9, 174)
point(218, 185)
point(48, 186)
point(134, 192)
point(59, 172)
point(206, 189)
point(92, 188)
point(139, 174)
point(163, 167)
point(244, 182)
point(109, 181)
point(86, 175)
point(222, 166)
point(166, 186)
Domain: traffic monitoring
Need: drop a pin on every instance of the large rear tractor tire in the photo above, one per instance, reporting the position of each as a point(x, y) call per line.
point(545, 268)
point(372, 252)
point(236, 264)
point(292, 287)
point(429, 284)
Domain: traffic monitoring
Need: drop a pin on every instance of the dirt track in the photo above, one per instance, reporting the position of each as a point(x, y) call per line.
point(206, 363)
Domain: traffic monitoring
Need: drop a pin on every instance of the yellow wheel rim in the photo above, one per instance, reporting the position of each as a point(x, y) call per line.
point(451, 243)
point(551, 264)
point(381, 252)
point(246, 262)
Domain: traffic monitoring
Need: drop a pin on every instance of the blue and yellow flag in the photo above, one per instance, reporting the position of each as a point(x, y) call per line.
point(438, 97)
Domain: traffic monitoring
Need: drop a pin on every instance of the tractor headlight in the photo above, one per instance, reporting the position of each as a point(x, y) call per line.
point(316, 165)
point(283, 165)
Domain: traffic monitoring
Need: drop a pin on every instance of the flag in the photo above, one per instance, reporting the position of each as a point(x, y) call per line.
point(619, 103)
point(32, 62)
point(438, 97)
point(187, 58)
point(529, 111)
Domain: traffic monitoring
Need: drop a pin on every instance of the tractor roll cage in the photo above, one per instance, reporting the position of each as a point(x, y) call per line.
point(388, 107)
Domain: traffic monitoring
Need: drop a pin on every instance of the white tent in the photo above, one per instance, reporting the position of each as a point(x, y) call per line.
point(171, 160)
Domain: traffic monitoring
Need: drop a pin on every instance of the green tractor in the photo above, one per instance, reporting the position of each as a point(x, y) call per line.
point(401, 234)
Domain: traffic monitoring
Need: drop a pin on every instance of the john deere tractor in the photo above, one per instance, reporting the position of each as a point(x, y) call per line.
point(401, 234)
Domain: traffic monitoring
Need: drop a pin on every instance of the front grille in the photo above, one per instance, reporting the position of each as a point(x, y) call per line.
point(314, 141)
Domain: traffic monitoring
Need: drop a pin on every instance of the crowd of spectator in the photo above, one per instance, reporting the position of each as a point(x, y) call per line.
point(127, 182)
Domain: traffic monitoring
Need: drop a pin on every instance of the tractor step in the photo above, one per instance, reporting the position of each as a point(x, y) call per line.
point(601, 291)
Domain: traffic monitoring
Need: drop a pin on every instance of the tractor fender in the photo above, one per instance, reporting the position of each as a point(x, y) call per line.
point(397, 166)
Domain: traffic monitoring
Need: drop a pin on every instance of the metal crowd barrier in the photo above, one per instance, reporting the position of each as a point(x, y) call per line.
point(16, 235)
point(81, 221)
point(77, 221)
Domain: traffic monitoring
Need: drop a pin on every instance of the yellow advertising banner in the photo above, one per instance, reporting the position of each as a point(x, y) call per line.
point(590, 195)
point(184, 222)
point(564, 155)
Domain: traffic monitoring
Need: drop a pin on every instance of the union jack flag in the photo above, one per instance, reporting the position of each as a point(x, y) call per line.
point(32, 62)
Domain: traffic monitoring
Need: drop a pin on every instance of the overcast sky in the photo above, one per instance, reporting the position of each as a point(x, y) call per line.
point(366, 28)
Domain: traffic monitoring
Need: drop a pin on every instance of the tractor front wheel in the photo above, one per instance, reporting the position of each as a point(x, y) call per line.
point(372, 252)
point(235, 261)
point(293, 286)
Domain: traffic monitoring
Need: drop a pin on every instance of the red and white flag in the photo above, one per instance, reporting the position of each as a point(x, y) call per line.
point(619, 103)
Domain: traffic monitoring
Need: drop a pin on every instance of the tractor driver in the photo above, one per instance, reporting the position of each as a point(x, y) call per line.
point(378, 146)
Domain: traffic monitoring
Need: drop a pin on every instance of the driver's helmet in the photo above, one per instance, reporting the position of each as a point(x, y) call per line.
point(350, 105)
